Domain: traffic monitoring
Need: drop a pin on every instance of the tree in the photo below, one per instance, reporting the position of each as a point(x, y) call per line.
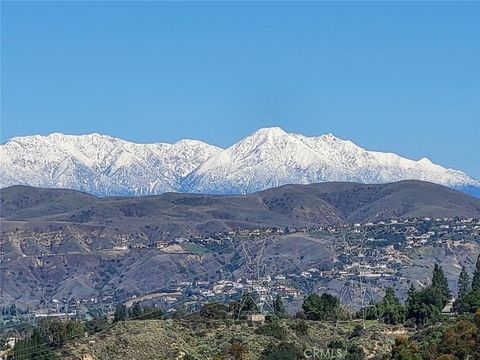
point(283, 351)
point(354, 353)
point(428, 303)
point(274, 329)
point(476, 277)
point(215, 310)
point(461, 340)
point(136, 311)
point(471, 301)
point(423, 305)
point(13, 310)
point(357, 331)
point(152, 313)
point(463, 290)
point(440, 282)
point(246, 305)
point(322, 307)
point(96, 324)
point(404, 349)
point(433, 296)
point(300, 327)
point(390, 310)
point(371, 311)
point(412, 305)
point(120, 313)
point(463, 283)
point(34, 347)
point(279, 308)
point(56, 331)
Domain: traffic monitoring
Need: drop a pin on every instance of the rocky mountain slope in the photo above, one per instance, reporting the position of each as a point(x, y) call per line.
point(270, 157)
point(100, 165)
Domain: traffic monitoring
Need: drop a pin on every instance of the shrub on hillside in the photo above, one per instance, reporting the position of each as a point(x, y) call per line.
point(300, 328)
point(283, 351)
point(274, 329)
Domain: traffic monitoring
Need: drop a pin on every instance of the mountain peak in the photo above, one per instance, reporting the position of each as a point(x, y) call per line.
point(425, 161)
point(329, 136)
point(274, 131)
point(269, 157)
point(62, 135)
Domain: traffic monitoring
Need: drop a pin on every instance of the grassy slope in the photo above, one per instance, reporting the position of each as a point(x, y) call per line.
point(170, 339)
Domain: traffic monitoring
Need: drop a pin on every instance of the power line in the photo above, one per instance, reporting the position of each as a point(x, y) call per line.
point(256, 266)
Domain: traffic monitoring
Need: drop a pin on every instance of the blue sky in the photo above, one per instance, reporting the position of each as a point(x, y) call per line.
point(401, 77)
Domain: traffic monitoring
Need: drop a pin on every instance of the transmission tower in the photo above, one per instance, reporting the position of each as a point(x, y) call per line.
point(256, 294)
point(356, 292)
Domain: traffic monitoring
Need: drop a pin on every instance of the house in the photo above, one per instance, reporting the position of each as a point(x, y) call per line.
point(161, 244)
point(257, 318)
point(448, 309)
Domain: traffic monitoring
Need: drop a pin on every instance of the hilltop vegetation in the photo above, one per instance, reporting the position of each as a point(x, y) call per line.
point(278, 339)
point(228, 339)
point(414, 330)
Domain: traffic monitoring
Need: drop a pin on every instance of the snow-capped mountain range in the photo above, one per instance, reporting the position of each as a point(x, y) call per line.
point(103, 165)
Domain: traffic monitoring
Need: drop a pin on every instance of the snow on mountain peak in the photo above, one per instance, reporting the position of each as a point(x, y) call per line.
point(329, 137)
point(425, 161)
point(104, 165)
point(270, 132)
point(100, 164)
point(272, 157)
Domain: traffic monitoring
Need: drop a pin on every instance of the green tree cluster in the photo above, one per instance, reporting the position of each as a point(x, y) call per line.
point(33, 347)
point(121, 313)
point(282, 351)
point(458, 340)
point(215, 310)
point(405, 349)
point(278, 307)
point(354, 353)
point(427, 304)
point(136, 312)
point(57, 331)
point(48, 334)
point(439, 282)
point(390, 310)
point(468, 299)
point(323, 307)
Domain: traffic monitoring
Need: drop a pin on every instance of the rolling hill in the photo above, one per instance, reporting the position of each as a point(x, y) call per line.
point(292, 205)
point(60, 243)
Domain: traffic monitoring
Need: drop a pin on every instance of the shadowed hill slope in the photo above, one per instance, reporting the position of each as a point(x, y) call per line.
point(364, 202)
point(66, 244)
point(289, 205)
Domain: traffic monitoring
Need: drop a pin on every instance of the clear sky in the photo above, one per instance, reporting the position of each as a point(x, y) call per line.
point(401, 77)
